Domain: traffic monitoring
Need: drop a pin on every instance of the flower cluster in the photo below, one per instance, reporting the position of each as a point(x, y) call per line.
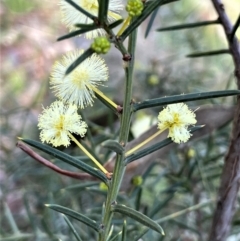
point(77, 89)
point(176, 118)
point(78, 86)
point(71, 16)
point(134, 7)
point(57, 121)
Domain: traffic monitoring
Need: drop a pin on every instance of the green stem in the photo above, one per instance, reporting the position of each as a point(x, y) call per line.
point(118, 43)
point(119, 168)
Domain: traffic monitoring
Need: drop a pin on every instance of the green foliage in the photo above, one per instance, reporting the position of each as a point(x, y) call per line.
point(68, 159)
point(183, 98)
point(84, 29)
point(178, 188)
point(102, 12)
point(75, 215)
point(153, 148)
point(79, 60)
point(138, 216)
point(114, 146)
point(80, 9)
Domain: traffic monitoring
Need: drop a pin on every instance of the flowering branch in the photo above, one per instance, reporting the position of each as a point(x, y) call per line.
point(119, 168)
point(75, 79)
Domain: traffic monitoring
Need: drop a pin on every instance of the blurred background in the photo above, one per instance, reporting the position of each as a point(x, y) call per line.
point(189, 175)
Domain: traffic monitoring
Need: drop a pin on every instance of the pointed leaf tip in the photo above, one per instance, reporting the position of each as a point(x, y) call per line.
point(68, 159)
point(138, 216)
point(114, 146)
point(75, 215)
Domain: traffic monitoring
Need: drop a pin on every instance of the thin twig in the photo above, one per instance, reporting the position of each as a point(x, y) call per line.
point(235, 27)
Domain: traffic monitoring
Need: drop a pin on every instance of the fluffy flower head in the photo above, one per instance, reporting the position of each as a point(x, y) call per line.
point(78, 86)
point(72, 16)
point(57, 121)
point(177, 118)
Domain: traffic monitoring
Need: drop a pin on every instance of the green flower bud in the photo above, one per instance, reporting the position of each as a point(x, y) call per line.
point(137, 180)
point(103, 186)
point(191, 153)
point(101, 45)
point(153, 80)
point(134, 8)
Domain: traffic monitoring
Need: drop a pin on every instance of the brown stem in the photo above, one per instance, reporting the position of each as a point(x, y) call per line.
point(234, 46)
point(230, 180)
point(37, 157)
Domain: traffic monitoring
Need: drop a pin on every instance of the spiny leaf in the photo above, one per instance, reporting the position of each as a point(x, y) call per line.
point(102, 11)
point(141, 218)
point(68, 159)
point(209, 53)
point(77, 32)
point(153, 148)
point(83, 25)
point(114, 146)
point(78, 216)
point(80, 186)
point(72, 228)
point(79, 60)
point(149, 8)
point(189, 25)
point(116, 237)
point(148, 150)
point(116, 23)
point(150, 23)
point(183, 98)
point(83, 11)
point(124, 231)
point(175, 215)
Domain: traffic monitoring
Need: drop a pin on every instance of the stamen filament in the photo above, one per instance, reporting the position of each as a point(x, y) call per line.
point(114, 15)
point(125, 25)
point(105, 97)
point(88, 154)
point(144, 142)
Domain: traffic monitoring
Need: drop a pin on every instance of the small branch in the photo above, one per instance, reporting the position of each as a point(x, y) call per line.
point(45, 162)
point(228, 29)
point(236, 26)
